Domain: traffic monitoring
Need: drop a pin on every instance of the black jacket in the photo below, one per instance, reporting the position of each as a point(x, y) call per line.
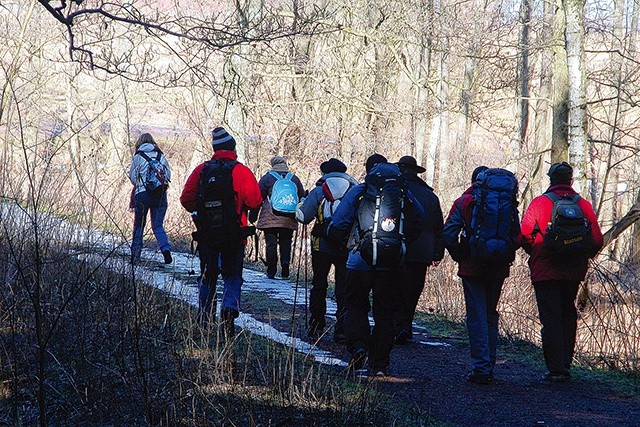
point(429, 245)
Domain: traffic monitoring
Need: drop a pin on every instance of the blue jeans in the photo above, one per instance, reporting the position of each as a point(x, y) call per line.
point(143, 203)
point(231, 256)
point(481, 295)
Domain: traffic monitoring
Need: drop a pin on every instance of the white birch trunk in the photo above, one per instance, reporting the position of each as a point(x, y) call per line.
point(574, 42)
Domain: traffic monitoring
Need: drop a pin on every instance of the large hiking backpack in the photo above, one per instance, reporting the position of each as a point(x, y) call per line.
point(155, 180)
point(380, 217)
point(284, 195)
point(494, 220)
point(216, 205)
point(568, 231)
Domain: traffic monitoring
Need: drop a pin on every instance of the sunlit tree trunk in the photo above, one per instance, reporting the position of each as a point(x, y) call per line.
point(577, 124)
point(560, 94)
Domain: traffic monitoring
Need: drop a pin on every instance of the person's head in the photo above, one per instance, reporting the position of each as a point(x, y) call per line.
point(477, 171)
point(221, 140)
point(279, 164)
point(145, 138)
point(373, 160)
point(560, 173)
point(332, 165)
point(409, 164)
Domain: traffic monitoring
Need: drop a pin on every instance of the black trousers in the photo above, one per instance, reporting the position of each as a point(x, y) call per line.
point(411, 287)
point(386, 303)
point(559, 318)
point(321, 263)
point(275, 238)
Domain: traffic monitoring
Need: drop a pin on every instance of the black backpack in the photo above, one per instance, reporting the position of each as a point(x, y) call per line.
point(380, 217)
point(216, 205)
point(494, 225)
point(568, 232)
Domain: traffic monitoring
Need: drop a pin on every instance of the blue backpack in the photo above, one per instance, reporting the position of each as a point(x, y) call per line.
point(284, 195)
point(494, 221)
point(155, 181)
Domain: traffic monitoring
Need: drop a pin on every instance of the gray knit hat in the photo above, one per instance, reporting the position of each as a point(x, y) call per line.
point(221, 140)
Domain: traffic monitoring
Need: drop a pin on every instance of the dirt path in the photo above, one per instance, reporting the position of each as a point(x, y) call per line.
point(433, 379)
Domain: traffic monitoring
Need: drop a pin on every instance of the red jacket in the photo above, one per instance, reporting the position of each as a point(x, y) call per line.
point(245, 186)
point(534, 224)
point(457, 222)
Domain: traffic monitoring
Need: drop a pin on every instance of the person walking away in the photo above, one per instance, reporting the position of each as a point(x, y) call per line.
point(150, 175)
point(218, 193)
point(320, 205)
point(277, 214)
point(560, 232)
point(378, 218)
point(426, 250)
point(481, 235)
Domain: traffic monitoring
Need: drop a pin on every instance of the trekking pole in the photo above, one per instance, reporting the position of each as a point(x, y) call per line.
point(306, 273)
point(295, 294)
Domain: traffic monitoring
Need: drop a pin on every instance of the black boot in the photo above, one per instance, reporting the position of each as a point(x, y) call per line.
point(228, 317)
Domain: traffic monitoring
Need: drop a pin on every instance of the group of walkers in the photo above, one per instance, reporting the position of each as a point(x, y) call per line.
point(380, 236)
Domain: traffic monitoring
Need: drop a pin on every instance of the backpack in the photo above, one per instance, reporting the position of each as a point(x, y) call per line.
point(494, 224)
point(568, 231)
point(216, 205)
point(284, 195)
point(333, 188)
point(380, 217)
point(155, 181)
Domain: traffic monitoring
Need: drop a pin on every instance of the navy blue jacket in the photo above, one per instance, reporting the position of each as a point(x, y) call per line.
point(429, 245)
point(343, 224)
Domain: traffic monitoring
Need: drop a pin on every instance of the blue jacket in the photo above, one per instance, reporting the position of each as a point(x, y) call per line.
point(343, 224)
point(309, 209)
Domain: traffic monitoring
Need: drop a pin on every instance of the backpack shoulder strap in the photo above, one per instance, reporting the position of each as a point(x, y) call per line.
point(276, 175)
point(575, 198)
point(288, 176)
point(553, 196)
point(144, 156)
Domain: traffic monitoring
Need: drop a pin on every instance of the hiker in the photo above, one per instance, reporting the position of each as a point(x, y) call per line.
point(150, 175)
point(426, 250)
point(487, 208)
point(377, 218)
point(218, 193)
point(560, 232)
point(320, 205)
point(277, 214)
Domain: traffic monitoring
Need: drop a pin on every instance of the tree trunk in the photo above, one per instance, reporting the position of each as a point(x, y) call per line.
point(560, 95)
point(577, 125)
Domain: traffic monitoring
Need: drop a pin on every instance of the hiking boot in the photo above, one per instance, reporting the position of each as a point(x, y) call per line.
point(403, 337)
point(228, 317)
point(379, 373)
point(167, 257)
point(285, 271)
point(476, 378)
point(557, 377)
